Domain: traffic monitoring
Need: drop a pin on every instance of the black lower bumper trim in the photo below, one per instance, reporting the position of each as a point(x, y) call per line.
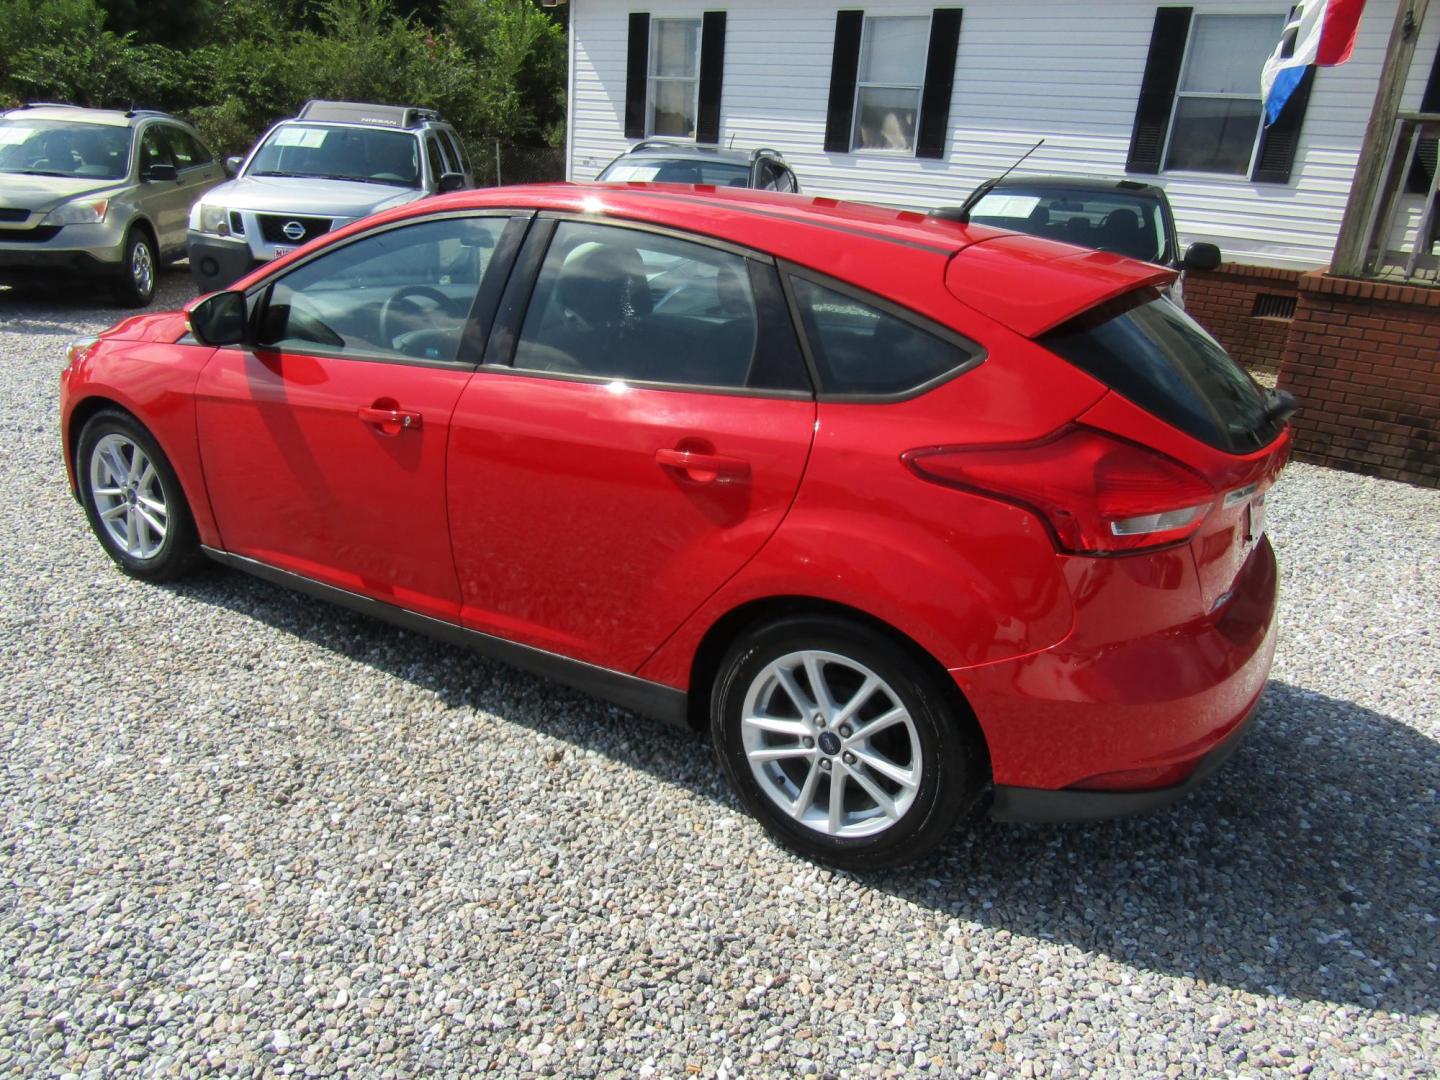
point(215, 264)
point(1041, 806)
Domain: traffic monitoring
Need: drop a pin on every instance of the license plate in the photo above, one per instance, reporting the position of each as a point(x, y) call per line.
point(281, 249)
point(1257, 519)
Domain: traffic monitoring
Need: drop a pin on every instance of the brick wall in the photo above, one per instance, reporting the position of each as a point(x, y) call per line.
point(1363, 358)
point(1223, 301)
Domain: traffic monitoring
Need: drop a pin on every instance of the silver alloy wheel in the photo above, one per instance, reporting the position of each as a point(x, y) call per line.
point(142, 268)
point(128, 496)
point(831, 744)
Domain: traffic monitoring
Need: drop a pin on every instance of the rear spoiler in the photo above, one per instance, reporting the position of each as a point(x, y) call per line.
point(1033, 285)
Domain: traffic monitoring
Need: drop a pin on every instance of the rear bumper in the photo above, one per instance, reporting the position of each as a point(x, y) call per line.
point(1132, 690)
point(217, 264)
point(1037, 806)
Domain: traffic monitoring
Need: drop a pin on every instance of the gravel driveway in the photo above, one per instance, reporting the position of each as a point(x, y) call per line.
point(245, 832)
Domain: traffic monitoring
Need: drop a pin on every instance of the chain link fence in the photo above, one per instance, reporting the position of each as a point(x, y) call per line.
point(496, 163)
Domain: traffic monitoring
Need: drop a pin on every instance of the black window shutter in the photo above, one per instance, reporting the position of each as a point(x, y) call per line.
point(1279, 141)
point(1418, 182)
point(1157, 89)
point(939, 83)
point(637, 72)
point(712, 76)
point(844, 68)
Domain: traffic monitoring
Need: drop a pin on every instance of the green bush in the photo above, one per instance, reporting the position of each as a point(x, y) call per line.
point(494, 68)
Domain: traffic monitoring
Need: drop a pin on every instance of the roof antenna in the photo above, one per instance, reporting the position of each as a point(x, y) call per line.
point(731, 144)
point(1018, 160)
point(962, 216)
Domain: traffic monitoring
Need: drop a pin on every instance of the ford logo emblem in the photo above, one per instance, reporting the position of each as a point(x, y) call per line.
point(293, 230)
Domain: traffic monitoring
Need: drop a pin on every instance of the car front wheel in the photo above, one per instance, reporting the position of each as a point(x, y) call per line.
point(136, 284)
point(846, 746)
point(133, 499)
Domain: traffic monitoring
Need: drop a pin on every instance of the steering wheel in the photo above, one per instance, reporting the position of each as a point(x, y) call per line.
point(406, 295)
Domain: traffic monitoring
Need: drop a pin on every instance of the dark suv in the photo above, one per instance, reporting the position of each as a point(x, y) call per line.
point(1123, 216)
point(663, 162)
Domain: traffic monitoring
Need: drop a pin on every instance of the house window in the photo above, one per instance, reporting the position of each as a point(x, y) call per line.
point(674, 82)
point(1217, 112)
point(890, 81)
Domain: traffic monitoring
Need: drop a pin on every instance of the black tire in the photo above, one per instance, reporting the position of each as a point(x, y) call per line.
point(139, 270)
point(178, 549)
point(951, 755)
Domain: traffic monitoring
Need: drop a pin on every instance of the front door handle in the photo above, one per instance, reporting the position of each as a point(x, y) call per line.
point(703, 468)
point(390, 421)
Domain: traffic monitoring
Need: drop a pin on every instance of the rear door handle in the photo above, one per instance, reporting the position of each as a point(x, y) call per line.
point(391, 421)
point(703, 468)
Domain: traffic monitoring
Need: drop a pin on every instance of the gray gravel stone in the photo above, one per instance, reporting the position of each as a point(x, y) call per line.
point(246, 834)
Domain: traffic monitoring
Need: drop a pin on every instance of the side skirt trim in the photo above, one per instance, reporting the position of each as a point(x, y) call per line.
point(649, 698)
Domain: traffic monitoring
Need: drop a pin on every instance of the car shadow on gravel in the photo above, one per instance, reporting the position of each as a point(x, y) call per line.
point(1305, 868)
point(60, 308)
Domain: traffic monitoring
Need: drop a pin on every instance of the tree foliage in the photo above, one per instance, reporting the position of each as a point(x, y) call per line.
point(494, 68)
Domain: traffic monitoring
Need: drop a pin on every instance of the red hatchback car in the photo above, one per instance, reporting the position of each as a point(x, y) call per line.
point(904, 511)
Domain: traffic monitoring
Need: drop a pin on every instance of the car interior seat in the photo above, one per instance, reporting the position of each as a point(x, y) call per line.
point(1121, 233)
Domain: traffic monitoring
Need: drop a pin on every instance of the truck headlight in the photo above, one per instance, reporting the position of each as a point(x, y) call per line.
point(78, 212)
point(214, 220)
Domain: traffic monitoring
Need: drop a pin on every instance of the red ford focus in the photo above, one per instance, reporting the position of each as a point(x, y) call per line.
point(905, 511)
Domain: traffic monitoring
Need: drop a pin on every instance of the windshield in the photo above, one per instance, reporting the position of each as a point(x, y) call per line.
point(1145, 348)
point(64, 148)
point(679, 171)
point(339, 153)
point(1117, 221)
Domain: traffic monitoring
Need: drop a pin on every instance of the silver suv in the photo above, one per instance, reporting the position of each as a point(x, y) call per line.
point(97, 193)
point(335, 162)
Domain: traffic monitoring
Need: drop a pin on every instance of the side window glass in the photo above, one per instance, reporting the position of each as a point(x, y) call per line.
point(198, 153)
point(437, 164)
point(618, 303)
point(786, 181)
point(181, 148)
point(862, 349)
point(405, 292)
point(457, 155)
point(154, 150)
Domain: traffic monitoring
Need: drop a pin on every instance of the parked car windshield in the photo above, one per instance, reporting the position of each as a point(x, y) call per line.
point(339, 153)
point(679, 171)
point(1117, 221)
point(64, 148)
point(1145, 348)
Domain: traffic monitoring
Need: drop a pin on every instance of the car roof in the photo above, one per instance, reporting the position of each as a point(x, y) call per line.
point(658, 149)
point(1080, 183)
point(76, 114)
point(916, 260)
point(352, 125)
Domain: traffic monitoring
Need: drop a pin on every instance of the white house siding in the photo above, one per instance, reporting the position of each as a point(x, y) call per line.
point(1067, 71)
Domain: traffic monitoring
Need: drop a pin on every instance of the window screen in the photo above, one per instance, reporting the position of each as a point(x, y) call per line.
point(1217, 106)
point(887, 95)
point(862, 349)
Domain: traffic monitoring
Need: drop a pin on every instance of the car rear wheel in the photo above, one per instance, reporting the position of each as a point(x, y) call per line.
point(845, 746)
point(136, 284)
point(133, 499)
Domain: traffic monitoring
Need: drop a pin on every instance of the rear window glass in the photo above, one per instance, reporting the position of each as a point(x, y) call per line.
point(679, 171)
point(861, 349)
point(1147, 349)
point(1126, 224)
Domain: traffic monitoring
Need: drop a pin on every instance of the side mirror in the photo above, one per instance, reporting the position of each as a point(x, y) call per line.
point(233, 163)
point(160, 172)
point(1201, 256)
point(219, 319)
point(450, 181)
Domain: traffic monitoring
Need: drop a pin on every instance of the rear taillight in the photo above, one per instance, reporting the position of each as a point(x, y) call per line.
point(1100, 495)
